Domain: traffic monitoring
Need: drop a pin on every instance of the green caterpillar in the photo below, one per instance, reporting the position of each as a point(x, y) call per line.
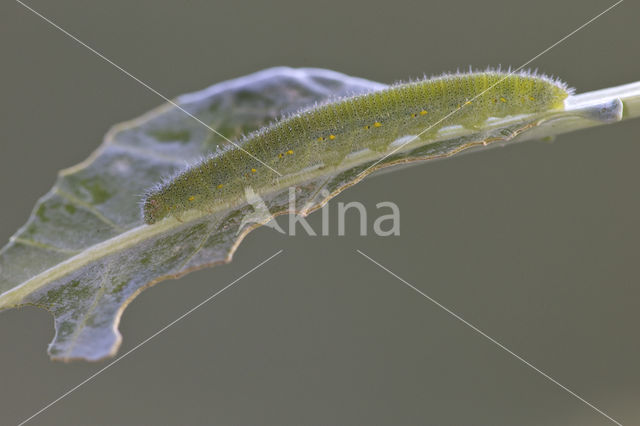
point(322, 137)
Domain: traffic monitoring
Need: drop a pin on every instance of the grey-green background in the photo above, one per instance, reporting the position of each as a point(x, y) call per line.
point(536, 244)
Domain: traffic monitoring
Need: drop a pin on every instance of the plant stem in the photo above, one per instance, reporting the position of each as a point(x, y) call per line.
point(591, 109)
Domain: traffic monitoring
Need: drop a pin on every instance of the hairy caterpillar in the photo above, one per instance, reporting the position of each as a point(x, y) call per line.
point(323, 137)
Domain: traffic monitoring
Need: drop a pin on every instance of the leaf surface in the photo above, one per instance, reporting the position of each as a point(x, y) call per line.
point(85, 253)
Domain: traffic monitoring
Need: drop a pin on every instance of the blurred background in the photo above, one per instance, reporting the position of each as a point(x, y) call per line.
point(536, 243)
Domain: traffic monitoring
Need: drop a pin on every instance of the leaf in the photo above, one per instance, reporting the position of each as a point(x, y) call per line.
point(85, 253)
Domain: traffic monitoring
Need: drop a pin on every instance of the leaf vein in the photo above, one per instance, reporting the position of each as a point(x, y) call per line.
point(32, 243)
point(73, 199)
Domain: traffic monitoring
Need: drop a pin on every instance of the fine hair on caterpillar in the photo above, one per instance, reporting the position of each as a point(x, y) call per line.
point(326, 137)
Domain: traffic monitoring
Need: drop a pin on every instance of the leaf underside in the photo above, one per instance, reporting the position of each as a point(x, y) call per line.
point(85, 253)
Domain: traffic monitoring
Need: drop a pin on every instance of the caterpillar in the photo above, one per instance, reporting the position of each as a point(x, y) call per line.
point(321, 138)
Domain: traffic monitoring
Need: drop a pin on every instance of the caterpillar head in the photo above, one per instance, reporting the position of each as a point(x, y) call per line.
point(153, 209)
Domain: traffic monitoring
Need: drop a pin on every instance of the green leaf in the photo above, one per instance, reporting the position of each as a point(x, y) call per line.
point(85, 253)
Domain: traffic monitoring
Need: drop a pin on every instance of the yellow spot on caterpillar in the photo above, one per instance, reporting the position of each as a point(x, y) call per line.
point(220, 186)
point(414, 115)
point(377, 124)
point(192, 198)
point(332, 137)
point(290, 152)
point(253, 170)
point(423, 112)
point(503, 100)
point(367, 127)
